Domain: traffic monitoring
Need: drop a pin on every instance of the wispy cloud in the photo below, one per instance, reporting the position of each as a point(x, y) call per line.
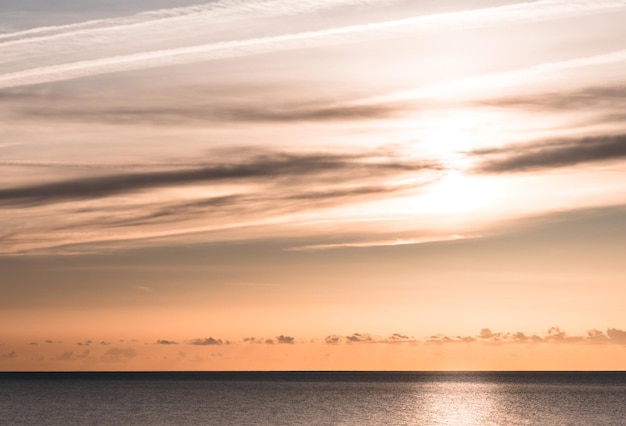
point(450, 21)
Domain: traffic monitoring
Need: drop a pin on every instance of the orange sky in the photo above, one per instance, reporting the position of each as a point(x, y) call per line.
point(173, 171)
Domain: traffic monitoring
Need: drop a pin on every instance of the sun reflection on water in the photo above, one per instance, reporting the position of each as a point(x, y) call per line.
point(456, 403)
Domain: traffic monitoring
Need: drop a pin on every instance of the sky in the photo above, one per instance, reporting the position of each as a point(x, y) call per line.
point(312, 185)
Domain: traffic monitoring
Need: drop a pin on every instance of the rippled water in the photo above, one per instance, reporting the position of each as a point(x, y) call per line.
point(314, 398)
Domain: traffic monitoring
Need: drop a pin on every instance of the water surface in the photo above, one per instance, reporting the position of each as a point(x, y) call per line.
point(325, 398)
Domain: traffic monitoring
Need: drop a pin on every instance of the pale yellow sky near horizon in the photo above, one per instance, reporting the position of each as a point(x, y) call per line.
point(174, 171)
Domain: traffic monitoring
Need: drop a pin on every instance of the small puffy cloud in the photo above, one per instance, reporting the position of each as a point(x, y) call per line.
point(166, 342)
point(207, 341)
point(65, 356)
point(555, 333)
point(617, 336)
point(10, 355)
point(486, 333)
point(257, 340)
point(84, 355)
point(285, 339)
point(596, 336)
point(397, 338)
point(333, 339)
point(440, 338)
point(359, 338)
point(119, 354)
point(520, 337)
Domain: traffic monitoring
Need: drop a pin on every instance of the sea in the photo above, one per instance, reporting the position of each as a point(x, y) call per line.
point(313, 398)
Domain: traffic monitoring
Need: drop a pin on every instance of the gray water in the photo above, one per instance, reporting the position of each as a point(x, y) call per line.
point(324, 398)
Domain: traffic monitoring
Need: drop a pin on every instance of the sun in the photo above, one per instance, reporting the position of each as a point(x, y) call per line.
point(457, 192)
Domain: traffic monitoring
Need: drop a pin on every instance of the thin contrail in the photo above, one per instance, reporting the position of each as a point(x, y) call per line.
point(450, 21)
point(133, 32)
point(223, 8)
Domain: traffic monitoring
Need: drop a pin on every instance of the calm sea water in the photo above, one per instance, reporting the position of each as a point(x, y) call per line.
point(325, 398)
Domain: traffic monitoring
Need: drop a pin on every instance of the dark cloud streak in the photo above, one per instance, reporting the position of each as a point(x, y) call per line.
point(202, 113)
point(552, 154)
point(263, 168)
point(595, 97)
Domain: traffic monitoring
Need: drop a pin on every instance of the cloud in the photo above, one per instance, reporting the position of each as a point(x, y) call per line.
point(208, 341)
point(440, 339)
point(202, 114)
point(379, 243)
point(398, 338)
point(119, 354)
point(586, 98)
point(85, 343)
point(107, 62)
point(264, 168)
point(617, 336)
point(258, 341)
point(10, 355)
point(359, 338)
point(166, 342)
point(65, 356)
point(285, 339)
point(596, 336)
point(368, 338)
point(486, 333)
point(477, 86)
point(554, 335)
point(551, 154)
point(333, 339)
point(179, 16)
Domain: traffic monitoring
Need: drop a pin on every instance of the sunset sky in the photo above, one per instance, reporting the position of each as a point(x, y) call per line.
point(312, 184)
